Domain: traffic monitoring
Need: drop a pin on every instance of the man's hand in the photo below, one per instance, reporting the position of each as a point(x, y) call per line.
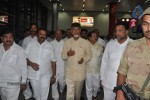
point(71, 53)
point(53, 80)
point(35, 66)
point(23, 86)
point(81, 61)
point(120, 95)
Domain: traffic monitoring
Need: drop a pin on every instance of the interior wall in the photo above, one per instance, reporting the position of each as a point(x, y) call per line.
point(101, 21)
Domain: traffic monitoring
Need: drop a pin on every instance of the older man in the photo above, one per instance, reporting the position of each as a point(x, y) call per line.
point(57, 45)
point(77, 52)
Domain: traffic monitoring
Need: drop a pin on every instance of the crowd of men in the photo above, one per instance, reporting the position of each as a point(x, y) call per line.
point(40, 63)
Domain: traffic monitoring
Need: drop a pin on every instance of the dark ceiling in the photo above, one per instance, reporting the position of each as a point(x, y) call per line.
point(96, 5)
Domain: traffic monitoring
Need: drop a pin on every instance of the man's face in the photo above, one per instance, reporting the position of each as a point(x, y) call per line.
point(75, 31)
point(93, 37)
point(146, 26)
point(68, 33)
point(58, 35)
point(121, 32)
point(33, 29)
point(41, 36)
point(84, 35)
point(7, 39)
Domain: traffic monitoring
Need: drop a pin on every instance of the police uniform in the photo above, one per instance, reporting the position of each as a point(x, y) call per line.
point(135, 65)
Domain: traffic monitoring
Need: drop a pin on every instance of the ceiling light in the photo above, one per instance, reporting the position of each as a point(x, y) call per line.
point(83, 0)
point(146, 1)
point(103, 10)
point(83, 9)
point(130, 11)
point(83, 5)
point(127, 19)
point(123, 20)
point(119, 0)
point(60, 4)
point(63, 9)
point(106, 6)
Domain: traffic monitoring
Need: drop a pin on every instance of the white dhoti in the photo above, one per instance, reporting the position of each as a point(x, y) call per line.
point(61, 82)
point(10, 92)
point(41, 87)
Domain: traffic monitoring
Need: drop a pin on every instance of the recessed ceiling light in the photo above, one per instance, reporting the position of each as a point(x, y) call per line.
point(119, 0)
point(146, 1)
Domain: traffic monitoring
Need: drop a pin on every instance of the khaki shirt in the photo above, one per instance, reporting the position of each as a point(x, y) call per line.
point(75, 71)
point(135, 65)
point(93, 66)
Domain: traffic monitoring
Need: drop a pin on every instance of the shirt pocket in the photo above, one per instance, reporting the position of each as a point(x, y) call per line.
point(12, 59)
point(45, 53)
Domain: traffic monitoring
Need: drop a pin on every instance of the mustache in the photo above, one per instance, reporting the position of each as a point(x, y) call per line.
point(148, 31)
point(42, 37)
point(33, 31)
point(8, 41)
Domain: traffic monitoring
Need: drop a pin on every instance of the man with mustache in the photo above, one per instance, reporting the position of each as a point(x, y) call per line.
point(77, 52)
point(111, 60)
point(13, 67)
point(33, 31)
point(41, 65)
point(135, 63)
point(32, 36)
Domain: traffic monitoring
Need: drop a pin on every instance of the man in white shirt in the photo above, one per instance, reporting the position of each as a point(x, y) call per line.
point(93, 67)
point(41, 65)
point(32, 36)
point(111, 60)
point(13, 68)
point(33, 30)
point(57, 45)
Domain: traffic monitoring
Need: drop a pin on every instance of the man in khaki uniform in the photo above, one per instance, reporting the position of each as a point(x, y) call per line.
point(77, 52)
point(135, 64)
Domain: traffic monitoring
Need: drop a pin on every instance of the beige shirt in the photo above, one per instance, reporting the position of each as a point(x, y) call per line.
point(135, 64)
point(93, 66)
point(75, 71)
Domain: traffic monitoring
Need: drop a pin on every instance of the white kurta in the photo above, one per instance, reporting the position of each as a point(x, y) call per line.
point(110, 62)
point(27, 40)
point(13, 70)
point(92, 71)
point(101, 42)
point(13, 65)
point(58, 47)
point(42, 55)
